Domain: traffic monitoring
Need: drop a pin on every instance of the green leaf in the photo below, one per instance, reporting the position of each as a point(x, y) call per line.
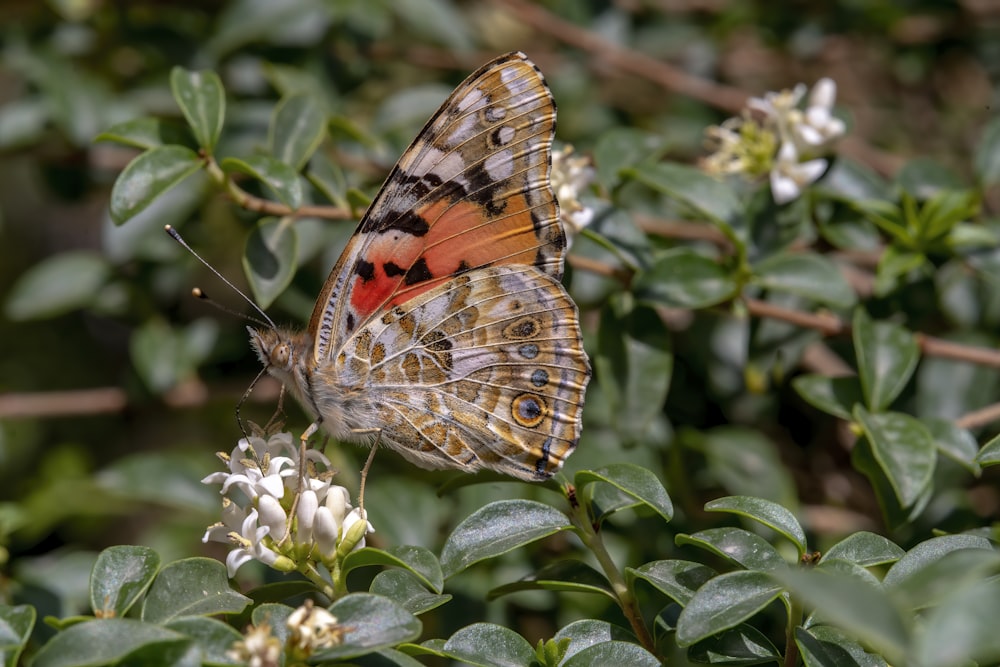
point(986, 159)
point(588, 632)
point(489, 645)
point(120, 576)
point(276, 616)
point(861, 609)
point(936, 579)
point(928, 552)
point(213, 637)
point(865, 549)
point(16, 624)
point(163, 357)
point(57, 285)
point(955, 442)
point(766, 512)
point(742, 645)
point(191, 587)
point(989, 455)
point(682, 278)
point(635, 360)
point(269, 260)
point(571, 576)
point(808, 275)
point(904, 450)
point(677, 579)
point(924, 177)
point(406, 590)
point(148, 176)
point(962, 630)
point(419, 561)
point(145, 133)
point(202, 101)
point(887, 356)
point(895, 264)
point(280, 178)
point(737, 546)
point(826, 646)
point(746, 462)
point(706, 196)
point(613, 653)
point(110, 641)
point(621, 147)
point(297, 129)
point(497, 528)
point(836, 396)
point(370, 623)
point(633, 480)
point(723, 603)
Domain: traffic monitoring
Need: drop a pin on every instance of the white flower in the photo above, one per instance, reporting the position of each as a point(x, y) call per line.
point(258, 648)
point(789, 176)
point(820, 126)
point(259, 493)
point(311, 627)
point(572, 175)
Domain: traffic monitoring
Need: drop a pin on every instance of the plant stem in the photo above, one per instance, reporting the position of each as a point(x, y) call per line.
point(794, 620)
point(626, 600)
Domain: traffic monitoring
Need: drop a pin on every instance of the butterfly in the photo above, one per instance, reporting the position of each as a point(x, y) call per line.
point(443, 331)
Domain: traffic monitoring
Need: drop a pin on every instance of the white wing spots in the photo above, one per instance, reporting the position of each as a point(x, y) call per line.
point(499, 165)
point(471, 98)
point(504, 135)
point(495, 114)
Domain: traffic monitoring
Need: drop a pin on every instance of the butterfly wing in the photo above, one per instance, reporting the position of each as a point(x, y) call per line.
point(471, 191)
point(484, 371)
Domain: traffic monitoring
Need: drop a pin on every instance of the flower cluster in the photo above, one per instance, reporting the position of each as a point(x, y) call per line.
point(775, 136)
point(310, 628)
point(259, 498)
point(571, 175)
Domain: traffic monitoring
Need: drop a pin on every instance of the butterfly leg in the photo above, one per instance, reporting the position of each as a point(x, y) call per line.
point(368, 464)
point(303, 445)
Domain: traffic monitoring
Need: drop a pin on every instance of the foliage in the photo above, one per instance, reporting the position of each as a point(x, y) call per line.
point(786, 457)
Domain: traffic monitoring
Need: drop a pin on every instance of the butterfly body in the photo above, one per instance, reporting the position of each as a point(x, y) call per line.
point(443, 331)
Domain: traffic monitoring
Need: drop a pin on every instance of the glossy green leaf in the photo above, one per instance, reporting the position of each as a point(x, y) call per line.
point(57, 285)
point(16, 624)
point(769, 513)
point(853, 604)
point(887, 356)
point(904, 450)
point(723, 603)
point(682, 278)
point(406, 590)
point(497, 528)
point(109, 641)
point(986, 158)
point(737, 546)
point(269, 260)
point(568, 575)
point(635, 360)
point(894, 513)
point(989, 455)
point(119, 578)
point(163, 356)
point(145, 133)
point(280, 178)
point(808, 275)
point(926, 553)
point(419, 561)
point(149, 176)
point(370, 623)
point(849, 180)
point(202, 100)
point(613, 653)
point(924, 177)
point(705, 195)
point(633, 480)
point(742, 645)
point(895, 267)
point(191, 587)
point(677, 579)
point(212, 637)
point(962, 630)
point(827, 646)
point(865, 549)
point(936, 579)
point(620, 148)
point(833, 395)
point(274, 615)
point(489, 645)
point(297, 129)
point(589, 632)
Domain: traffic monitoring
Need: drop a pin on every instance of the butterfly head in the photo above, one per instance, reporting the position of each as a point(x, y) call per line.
point(279, 351)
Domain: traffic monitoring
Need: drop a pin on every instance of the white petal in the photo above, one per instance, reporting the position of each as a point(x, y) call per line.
point(216, 533)
point(272, 485)
point(783, 188)
point(810, 135)
point(235, 560)
point(824, 93)
point(338, 500)
point(807, 172)
point(325, 531)
point(216, 478)
point(306, 514)
point(272, 515)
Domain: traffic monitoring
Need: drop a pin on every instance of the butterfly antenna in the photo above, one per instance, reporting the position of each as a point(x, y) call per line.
point(199, 293)
point(175, 235)
point(245, 397)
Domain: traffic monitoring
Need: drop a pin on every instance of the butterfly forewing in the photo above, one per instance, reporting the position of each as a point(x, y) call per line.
point(472, 191)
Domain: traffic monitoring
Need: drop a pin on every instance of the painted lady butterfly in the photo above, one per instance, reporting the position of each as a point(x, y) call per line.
point(443, 331)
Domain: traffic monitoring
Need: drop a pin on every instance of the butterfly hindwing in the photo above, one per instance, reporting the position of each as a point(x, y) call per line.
point(485, 371)
point(471, 191)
